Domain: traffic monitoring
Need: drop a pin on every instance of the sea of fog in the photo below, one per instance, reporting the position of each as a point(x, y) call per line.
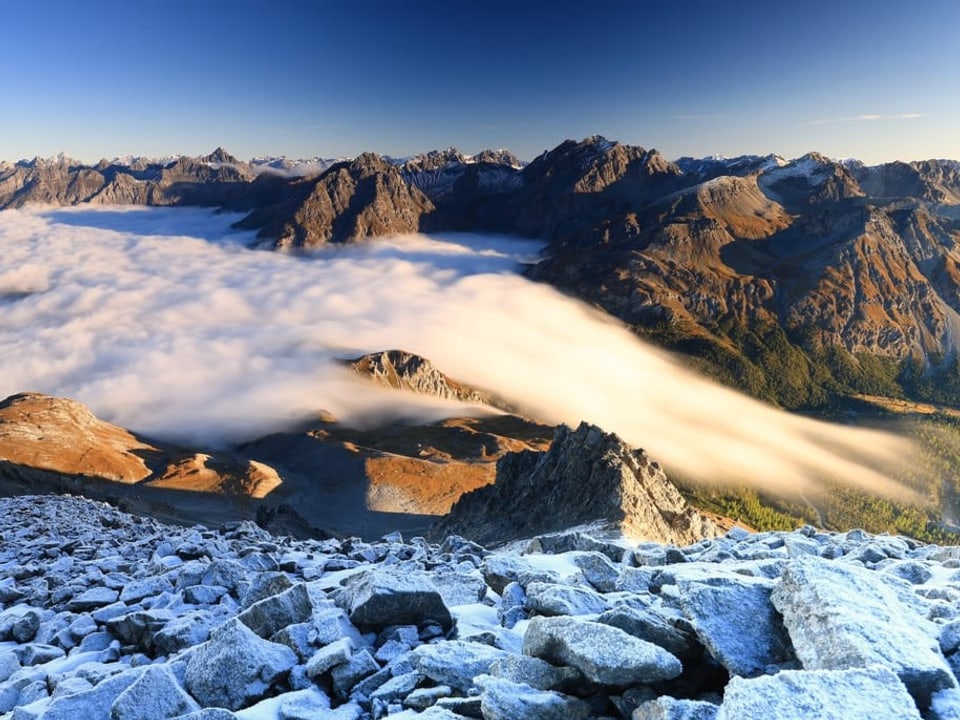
point(162, 320)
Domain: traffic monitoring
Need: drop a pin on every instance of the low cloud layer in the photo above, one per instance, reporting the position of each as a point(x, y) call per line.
point(163, 321)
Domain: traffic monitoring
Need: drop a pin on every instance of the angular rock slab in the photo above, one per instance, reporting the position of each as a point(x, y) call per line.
point(605, 655)
point(668, 708)
point(375, 600)
point(505, 700)
point(236, 667)
point(273, 613)
point(736, 622)
point(841, 617)
point(861, 694)
point(156, 694)
point(456, 662)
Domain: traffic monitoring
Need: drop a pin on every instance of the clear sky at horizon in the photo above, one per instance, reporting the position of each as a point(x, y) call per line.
point(848, 78)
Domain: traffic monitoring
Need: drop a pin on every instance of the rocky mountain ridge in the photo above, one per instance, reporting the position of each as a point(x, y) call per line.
point(104, 615)
point(586, 476)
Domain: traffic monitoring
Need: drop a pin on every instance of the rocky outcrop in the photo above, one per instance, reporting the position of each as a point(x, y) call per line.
point(587, 476)
point(405, 371)
point(220, 624)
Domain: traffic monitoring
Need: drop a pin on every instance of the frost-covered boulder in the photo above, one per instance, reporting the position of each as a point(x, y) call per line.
point(605, 655)
point(92, 704)
point(455, 662)
point(668, 708)
point(235, 667)
point(861, 694)
point(736, 622)
point(375, 600)
point(534, 672)
point(505, 700)
point(840, 617)
point(329, 656)
point(276, 612)
point(155, 695)
point(553, 599)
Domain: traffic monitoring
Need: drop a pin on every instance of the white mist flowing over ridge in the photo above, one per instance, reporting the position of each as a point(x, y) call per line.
point(162, 320)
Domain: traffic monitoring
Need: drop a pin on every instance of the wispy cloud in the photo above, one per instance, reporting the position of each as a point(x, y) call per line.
point(868, 117)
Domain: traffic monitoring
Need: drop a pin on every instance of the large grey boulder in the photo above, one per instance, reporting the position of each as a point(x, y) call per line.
point(648, 624)
point(604, 654)
point(455, 662)
point(138, 628)
point(736, 622)
point(534, 672)
point(554, 599)
point(860, 694)
point(329, 656)
point(235, 667)
point(374, 600)
point(505, 700)
point(273, 613)
point(668, 708)
point(155, 695)
point(840, 617)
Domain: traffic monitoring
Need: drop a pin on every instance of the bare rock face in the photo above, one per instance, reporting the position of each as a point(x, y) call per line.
point(405, 371)
point(578, 186)
point(365, 197)
point(586, 476)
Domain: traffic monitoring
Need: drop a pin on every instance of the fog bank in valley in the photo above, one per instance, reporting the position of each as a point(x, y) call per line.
point(163, 320)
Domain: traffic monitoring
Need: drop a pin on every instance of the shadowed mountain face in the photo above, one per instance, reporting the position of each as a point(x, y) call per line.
point(587, 476)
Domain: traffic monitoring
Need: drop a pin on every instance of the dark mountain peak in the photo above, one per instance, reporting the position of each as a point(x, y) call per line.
point(434, 160)
point(587, 476)
point(220, 156)
point(369, 163)
point(499, 156)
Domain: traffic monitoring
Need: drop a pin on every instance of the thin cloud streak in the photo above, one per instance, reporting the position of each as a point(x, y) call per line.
point(193, 336)
point(868, 117)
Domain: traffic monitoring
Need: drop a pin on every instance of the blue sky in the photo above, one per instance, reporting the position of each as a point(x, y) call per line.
point(102, 78)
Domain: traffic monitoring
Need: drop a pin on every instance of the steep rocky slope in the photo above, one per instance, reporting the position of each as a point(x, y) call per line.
point(587, 476)
point(361, 198)
point(105, 615)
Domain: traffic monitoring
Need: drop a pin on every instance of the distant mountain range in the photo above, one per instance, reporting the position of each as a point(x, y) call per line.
point(792, 280)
